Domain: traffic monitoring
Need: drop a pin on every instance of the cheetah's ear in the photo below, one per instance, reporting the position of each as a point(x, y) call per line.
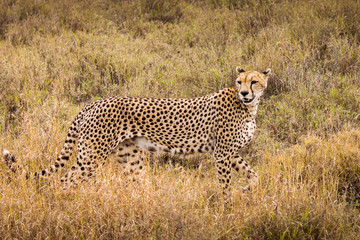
point(267, 72)
point(240, 70)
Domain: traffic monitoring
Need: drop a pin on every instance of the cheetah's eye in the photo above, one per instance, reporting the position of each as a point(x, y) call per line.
point(253, 82)
point(239, 82)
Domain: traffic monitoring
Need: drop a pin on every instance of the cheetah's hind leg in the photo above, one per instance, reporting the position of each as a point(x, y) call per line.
point(130, 158)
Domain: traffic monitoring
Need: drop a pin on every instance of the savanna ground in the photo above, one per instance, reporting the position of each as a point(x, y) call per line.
point(56, 56)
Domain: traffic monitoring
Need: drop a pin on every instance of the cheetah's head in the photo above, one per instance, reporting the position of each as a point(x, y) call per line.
point(251, 85)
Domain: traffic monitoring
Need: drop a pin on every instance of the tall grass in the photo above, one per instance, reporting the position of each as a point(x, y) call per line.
point(56, 56)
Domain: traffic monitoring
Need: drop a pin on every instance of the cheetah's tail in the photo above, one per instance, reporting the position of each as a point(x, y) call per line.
point(65, 153)
point(11, 162)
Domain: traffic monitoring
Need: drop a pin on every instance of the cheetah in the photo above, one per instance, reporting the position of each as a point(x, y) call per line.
point(125, 127)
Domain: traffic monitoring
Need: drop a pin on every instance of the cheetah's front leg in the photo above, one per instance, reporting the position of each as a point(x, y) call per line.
point(242, 167)
point(224, 175)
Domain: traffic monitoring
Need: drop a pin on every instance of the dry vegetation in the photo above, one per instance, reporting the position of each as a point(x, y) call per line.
point(55, 56)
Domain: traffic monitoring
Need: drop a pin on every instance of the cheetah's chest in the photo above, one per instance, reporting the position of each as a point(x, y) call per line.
point(248, 130)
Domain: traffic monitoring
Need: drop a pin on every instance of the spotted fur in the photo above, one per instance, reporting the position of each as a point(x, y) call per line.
point(125, 127)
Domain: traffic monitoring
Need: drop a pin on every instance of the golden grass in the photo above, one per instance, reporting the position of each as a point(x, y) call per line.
point(55, 56)
point(307, 191)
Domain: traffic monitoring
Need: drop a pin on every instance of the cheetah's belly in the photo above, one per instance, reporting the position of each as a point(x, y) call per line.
point(148, 145)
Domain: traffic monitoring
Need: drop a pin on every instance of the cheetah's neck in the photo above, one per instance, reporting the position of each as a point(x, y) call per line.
point(253, 108)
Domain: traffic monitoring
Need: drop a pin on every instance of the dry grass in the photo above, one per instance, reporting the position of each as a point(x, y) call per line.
point(57, 56)
point(310, 190)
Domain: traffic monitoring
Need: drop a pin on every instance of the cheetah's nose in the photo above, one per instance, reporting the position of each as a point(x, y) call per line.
point(244, 93)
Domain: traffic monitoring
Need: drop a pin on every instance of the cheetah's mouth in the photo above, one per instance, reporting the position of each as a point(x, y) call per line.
point(248, 101)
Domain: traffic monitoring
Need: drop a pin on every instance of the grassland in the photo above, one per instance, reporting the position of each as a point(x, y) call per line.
point(56, 56)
